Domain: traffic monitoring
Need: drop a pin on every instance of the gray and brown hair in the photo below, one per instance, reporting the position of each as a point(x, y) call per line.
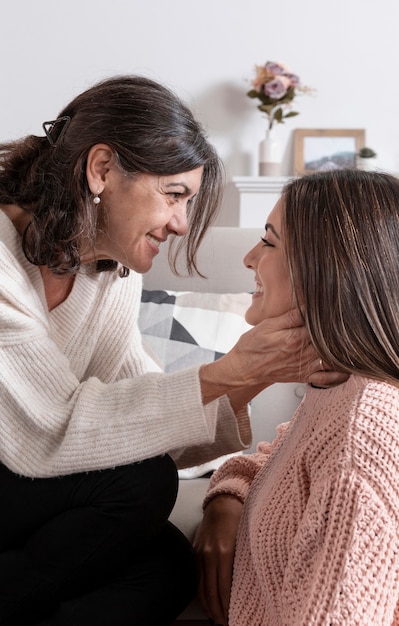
point(150, 130)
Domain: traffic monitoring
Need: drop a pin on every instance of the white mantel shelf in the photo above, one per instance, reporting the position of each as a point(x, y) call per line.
point(257, 197)
point(260, 184)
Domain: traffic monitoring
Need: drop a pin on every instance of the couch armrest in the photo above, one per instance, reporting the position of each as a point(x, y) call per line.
point(187, 512)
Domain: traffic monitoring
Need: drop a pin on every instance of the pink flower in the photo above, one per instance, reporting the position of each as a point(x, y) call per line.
point(261, 77)
point(277, 88)
point(276, 68)
point(293, 78)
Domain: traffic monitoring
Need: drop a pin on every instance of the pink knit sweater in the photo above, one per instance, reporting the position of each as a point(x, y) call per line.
point(319, 536)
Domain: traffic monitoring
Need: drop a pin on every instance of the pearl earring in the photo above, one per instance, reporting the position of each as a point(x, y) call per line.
point(96, 199)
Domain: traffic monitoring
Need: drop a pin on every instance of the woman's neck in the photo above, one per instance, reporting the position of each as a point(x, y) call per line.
point(57, 288)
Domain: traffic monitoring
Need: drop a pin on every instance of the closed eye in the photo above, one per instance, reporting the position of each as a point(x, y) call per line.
point(266, 242)
point(178, 195)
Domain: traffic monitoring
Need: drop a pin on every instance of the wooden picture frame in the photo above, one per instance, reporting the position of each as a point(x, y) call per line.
point(317, 149)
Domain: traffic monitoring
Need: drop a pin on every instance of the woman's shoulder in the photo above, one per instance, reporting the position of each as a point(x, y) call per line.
point(360, 416)
point(371, 426)
point(374, 397)
point(357, 391)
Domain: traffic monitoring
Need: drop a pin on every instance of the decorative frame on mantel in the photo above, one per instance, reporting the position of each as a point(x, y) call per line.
point(322, 149)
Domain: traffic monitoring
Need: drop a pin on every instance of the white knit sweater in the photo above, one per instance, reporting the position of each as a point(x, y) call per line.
point(74, 395)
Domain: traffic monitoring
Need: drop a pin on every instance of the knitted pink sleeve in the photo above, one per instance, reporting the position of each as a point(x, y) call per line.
point(235, 476)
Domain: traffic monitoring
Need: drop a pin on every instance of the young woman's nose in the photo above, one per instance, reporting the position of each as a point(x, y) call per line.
point(250, 258)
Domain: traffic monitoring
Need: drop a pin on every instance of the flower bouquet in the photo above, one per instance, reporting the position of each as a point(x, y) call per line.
point(276, 87)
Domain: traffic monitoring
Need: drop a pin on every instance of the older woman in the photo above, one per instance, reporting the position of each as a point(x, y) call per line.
point(86, 480)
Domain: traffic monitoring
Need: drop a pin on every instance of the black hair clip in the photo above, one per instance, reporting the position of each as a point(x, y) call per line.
point(55, 130)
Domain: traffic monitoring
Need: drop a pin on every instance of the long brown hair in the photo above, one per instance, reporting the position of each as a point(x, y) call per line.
point(150, 130)
point(342, 241)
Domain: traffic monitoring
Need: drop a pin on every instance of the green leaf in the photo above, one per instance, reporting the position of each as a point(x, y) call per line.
point(291, 114)
point(265, 108)
point(252, 93)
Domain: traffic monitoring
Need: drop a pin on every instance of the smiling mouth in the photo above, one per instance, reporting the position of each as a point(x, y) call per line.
point(258, 289)
point(153, 240)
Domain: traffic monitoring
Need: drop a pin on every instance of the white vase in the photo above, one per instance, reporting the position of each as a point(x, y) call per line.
point(368, 164)
point(270, 155)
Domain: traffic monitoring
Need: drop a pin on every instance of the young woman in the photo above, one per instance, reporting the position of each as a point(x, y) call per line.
point(83, 211)
point(310, 524)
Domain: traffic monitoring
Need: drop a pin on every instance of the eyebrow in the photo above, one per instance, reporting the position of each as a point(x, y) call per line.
point(178, 184)
point(274, 231)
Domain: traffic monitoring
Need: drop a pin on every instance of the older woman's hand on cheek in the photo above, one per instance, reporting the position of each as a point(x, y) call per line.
point(275, 350)
point(214, 544)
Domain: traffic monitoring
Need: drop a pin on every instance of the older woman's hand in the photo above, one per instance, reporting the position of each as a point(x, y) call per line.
point(275, 350)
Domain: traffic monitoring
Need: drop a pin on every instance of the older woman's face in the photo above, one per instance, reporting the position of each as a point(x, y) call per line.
point(136, 215)
point(273, 290)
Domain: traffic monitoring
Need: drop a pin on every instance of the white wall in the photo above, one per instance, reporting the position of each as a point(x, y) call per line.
point(205, 50)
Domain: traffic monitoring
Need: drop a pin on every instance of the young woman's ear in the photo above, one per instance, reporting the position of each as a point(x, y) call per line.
point(99, 162)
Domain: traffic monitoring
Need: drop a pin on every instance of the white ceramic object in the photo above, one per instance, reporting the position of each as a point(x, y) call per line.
point(270, 155)
point(367, 165)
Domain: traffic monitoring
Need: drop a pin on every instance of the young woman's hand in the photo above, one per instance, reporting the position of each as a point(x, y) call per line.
point(214, 544)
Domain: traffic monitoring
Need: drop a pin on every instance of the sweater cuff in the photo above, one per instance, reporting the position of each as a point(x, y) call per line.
point(236, 487)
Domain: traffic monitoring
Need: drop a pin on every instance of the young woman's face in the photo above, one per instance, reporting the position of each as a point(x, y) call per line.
point(137, 214)
point(273, 290)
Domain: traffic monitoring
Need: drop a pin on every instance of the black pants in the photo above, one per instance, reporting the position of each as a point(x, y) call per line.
point(93, 549)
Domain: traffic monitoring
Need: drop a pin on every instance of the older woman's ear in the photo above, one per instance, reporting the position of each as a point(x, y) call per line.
point(100, 160)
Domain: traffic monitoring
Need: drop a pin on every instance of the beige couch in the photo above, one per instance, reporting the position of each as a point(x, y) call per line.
point(220, 259)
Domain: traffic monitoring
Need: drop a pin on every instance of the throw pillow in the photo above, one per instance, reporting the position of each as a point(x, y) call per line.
point(185, 328)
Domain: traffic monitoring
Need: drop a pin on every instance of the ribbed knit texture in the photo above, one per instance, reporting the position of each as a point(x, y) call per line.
point(319, 538)
point(74, 395)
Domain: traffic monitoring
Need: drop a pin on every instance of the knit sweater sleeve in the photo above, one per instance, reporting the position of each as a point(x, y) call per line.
point(74, 393)
point(235, 476)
